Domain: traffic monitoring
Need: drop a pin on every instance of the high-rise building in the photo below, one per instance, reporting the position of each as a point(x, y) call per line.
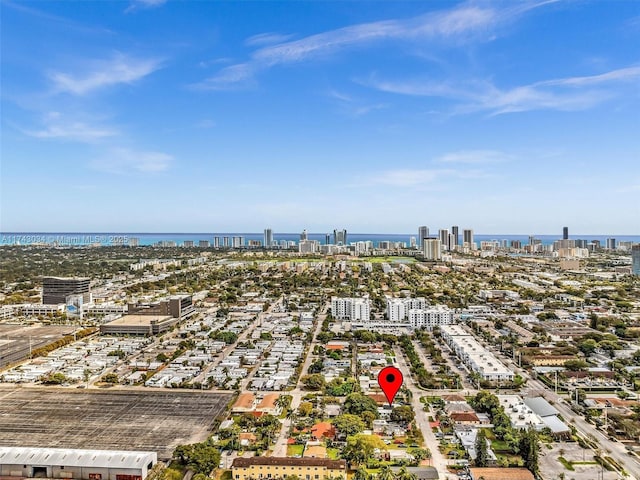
point(188, 243)
point(340, 237)
point(456, 239)
point(412, 242)
point(635, 259)
point(304, 235)
point(443, 234)
point(327, 239)
point(431, 249)
point(423, 232)
point(226, 242)
point(451, 241)
point(308, 246)
point(467, 237)
point(268, 238)
point(565, 233)
point(55, 290)
point(203, 243)
point(611, 243)
point(349, 308)
point(581, 243)
point(238, 242)
point(516, 244)
point(216, 242)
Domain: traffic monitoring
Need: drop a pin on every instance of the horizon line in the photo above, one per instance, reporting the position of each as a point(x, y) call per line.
point(298, 233)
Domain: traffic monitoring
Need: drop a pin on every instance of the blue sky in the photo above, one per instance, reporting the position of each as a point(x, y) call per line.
point(504, 117)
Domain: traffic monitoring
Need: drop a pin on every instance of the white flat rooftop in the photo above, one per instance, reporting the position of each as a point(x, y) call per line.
point(75, 457)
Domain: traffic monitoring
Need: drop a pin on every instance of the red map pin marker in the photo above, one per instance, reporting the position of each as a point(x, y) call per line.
point(390, 380)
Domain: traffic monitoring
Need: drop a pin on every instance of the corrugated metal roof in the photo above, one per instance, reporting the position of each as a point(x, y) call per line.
point(74, 457)
point(540, 406)
point(555, 424)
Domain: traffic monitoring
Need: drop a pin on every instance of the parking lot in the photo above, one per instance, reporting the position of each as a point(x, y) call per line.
point(110, 419)
point(551, 468)
point(17, 340)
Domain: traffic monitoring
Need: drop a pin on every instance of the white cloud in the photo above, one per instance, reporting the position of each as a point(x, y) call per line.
point(455, 24)
point(56, 126)
point(416, 177)
point(126, 161)
point(407, 177)
point(622, 74)
point(228, 78)
point(266, 39)
point(352, 106)
point(104, 73)
point(564, 94)
point(141, 4)
point(474, 157)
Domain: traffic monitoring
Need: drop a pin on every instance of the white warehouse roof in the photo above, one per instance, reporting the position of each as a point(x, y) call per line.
point(76, 458)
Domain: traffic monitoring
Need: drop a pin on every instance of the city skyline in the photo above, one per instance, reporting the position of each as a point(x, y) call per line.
point(117, 117)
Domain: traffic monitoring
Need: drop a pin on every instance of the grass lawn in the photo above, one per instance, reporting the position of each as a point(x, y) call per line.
point(388, 259)
point(293, 450)
point(333, 453)
point(499, 446)
point(567, 464)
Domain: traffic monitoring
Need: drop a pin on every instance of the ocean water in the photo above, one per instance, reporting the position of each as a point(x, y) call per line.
point(145, 239)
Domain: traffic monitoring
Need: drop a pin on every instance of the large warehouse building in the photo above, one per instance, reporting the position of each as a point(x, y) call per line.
point(21, 462)
point(139, 325)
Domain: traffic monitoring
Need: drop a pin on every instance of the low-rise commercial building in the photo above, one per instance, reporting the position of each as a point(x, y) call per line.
point(257, 468)
point(474, 355)
point(139, 325)
point(32, 462)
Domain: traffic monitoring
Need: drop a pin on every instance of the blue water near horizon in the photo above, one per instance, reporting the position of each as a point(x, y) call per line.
point(147, 239)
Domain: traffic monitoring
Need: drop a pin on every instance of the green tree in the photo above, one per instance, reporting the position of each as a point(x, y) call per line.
point(368, 417)
point(110, 378)
point(385, 473)
point(485, 402)
point(305, 409)
point(482, 452)
point(316, 367)
point(361, 448)
point(576, 365)
point(348, 424)
point(530, 449)
point(588, 346)
point(199, 457)
point(361, 474)
point(313, 382)
point(357, 403)
point(403, 414)
point(404, 474)
point(55, 379)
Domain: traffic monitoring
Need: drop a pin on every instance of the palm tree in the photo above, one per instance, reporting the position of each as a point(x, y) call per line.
point(385, 473)
point(428, 455)
point(361, 474)
point(292, 415)
point(404, 474)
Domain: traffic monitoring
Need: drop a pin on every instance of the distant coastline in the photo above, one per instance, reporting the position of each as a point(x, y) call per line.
point(148, 239)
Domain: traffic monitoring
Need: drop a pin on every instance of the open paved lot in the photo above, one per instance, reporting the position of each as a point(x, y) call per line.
point(110, 419)
point(15, 340)
point(551, 468)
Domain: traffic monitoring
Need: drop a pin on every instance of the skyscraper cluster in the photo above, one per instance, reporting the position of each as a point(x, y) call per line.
point(446, 240)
